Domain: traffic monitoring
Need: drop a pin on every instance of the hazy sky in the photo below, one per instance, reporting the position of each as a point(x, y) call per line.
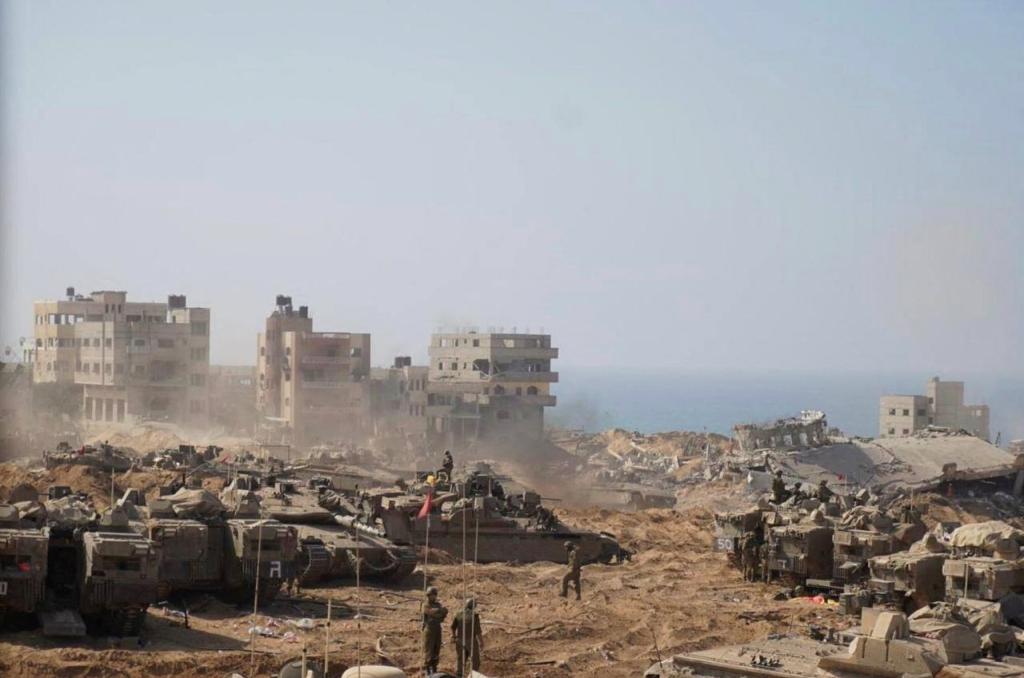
point(822, 185)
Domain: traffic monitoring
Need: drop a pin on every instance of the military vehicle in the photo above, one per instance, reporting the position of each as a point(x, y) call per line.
point(103, 457)
point(331, 543)
point(477, 521)
point(22, 566)
point(799, 552)
point(207, 547)
point(852, 549)
point(102, 569)
point(985, 563)
point(908, 579)
point(731, 529)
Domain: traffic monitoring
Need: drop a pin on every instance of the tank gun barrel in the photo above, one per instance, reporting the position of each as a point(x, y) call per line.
point(351, 522)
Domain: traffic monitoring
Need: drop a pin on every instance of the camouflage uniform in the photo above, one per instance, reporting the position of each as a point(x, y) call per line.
point(468, 638)
point(748, 556)
point(573, 574)
point(779, 492)
point(433, 614)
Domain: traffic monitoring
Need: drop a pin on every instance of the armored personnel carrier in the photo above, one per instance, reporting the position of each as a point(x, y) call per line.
point(985, 563)
point(732, 528)
point(852, 549)
point(206, 546)
point(22, 566)
point(908, 579)
point(102, 569)
point(475, 519)
point(331, 542)
point(799, 552)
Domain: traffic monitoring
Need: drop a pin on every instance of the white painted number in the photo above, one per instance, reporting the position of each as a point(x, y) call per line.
point(3, 588)
point(275, 569)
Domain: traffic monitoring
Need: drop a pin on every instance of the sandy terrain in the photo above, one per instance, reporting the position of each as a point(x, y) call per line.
point(676, 595)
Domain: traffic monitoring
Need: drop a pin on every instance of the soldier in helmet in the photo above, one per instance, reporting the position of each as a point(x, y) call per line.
point(573, 572)
point(433, 614)
point(448, 464)
point(467, 636)
point(749, 551)
point(824, 492)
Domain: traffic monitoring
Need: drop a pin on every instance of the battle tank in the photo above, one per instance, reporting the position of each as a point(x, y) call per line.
point(475, 519)
point(207, 546)
point(102, 569)
point(908, 579)
point(800, 552)
point(731, 529)
point(852, 549)
point(332, 543)
point(22, 565)
point(985, 563)
point(103, 457)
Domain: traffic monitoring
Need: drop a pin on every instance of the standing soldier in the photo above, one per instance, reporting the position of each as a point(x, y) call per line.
point(779, 492)
point(448, 465)
point(467, 636)
point(748, 556)
point(573, 574)
point(433, 614)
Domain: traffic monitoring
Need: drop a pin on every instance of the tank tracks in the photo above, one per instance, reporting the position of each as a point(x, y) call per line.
point(314, 562)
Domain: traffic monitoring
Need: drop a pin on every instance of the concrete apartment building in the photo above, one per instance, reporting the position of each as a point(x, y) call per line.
point(130, 361)
point(233, 398)
point(489, 385)
point(313, 384)
point(942, 405)
point(399, 399)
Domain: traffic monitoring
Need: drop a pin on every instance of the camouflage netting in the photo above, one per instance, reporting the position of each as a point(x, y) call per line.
point(986, 536)
point(195, 503)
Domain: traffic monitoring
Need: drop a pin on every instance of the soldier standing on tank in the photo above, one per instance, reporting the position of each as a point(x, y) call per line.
point(433, 614)
point(467, 636)
point(448, 465)
point(573, 573)
point(824, 493)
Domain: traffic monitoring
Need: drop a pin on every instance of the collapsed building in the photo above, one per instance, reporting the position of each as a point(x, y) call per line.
point(809, 429)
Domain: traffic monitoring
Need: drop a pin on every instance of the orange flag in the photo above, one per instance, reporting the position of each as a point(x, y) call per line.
point(425, 509)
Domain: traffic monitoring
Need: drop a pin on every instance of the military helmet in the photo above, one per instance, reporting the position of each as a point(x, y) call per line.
point(470, 603)
point(432, 591)
point(569, 545)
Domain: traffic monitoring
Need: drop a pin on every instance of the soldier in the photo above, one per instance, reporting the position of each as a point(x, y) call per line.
point(433, 614)
point(779, 492)
point(748, 555)
point(573, 573)
point(467, 636)
point(824, 493)
point(448, 465)
point(798, 491)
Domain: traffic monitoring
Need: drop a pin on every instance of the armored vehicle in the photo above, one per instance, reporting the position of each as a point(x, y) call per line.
point(104, 570)
point(732, 528)
point(22, 566)
point(909, 579)
point(851, 551)
point(331, 542)
point(485, 529)
point(204, 549)
point(982, 577)
point(104, 457)
point(798, 552)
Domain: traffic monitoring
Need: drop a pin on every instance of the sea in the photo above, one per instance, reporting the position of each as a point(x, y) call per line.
point(594, 399)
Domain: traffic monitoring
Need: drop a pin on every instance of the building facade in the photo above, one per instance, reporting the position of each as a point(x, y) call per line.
point(941, 405)
point(313, 384)
point(489, 385)
point(233, 398)
point(129, 361)
point(399, 399)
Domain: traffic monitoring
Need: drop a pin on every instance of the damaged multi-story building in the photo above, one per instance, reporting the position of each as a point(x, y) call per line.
point(810, 429)
point(124, 361)
point(399, 397)
point(941, 405)
point(489, 385)
point(312, 384)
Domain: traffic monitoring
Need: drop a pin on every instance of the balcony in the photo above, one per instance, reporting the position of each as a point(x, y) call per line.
point(510, 399)
point(323, 360)
point(325, 385)
point(523, 353)
point(545, 377)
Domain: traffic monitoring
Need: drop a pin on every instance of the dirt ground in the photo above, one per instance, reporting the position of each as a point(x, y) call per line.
point(675, 595)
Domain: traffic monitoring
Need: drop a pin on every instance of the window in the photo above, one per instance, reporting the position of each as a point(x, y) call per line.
point(440, 366)
point(906, 412)
point(892, 411)
point(892, 431)
point(519, 390)
point(108, 342)
point(476, 343)
point(107, 368)
point(920, 412)
point(906, 431)
point(165, 343)
point(455, 366)
point(138, 342)
point(356, 352)
point(96, 342)
point(503, 414)
point(531, 390)
point(199, 329)
point(95, 368)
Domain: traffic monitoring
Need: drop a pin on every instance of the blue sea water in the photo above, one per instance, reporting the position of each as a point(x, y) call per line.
point(595, 399)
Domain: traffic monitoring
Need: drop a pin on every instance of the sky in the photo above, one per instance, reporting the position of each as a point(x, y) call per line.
point(669, 186)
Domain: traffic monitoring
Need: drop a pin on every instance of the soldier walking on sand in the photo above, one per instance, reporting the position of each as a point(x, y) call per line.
point(468, 637)
point(573, 572)
point(433, 614)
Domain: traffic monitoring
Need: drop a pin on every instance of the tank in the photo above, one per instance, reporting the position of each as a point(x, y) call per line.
point(103, 457)
point(22, 565)
point(982, 577)
point(105, 570)
point(477, 521)
point(206, 547)
point(732, 528)
point(331, 541)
